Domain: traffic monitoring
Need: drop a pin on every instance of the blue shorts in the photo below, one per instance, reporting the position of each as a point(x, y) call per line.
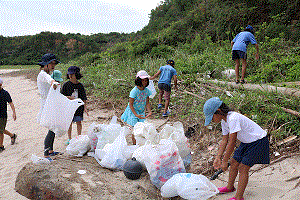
point(253, 153)
point(77, 119)
point(236, 55)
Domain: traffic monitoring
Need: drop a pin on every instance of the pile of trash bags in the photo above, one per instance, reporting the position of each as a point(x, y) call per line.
point(163, 154)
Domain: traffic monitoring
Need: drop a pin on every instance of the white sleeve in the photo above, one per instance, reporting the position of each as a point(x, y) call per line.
point(225, 129)
point(47, 78)
point(234, 124)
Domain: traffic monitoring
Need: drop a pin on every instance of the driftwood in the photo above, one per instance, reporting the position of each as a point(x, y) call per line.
point(263, 87)
point(293, 112)
point(190, 93)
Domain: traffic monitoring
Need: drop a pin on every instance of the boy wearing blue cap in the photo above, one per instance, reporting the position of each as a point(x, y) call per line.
point(166, 73)
point(239, 50)
point(254, 147)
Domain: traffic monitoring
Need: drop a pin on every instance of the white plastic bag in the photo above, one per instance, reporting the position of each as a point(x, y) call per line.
point(152, 89)
point(79, 145)
point(140, 155)
point(38, 160)
point(108, 133)
point(189, 186)
point(176, 132)
point(144, 131)
point(115, 157)
point(58, 112)
point(163, 161)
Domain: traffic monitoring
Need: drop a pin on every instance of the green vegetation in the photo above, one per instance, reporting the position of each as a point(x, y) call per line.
point(196, 34)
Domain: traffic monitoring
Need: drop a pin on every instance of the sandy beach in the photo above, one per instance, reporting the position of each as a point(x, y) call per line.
point(268, 183)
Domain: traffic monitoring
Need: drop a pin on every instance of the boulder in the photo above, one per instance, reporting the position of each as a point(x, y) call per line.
point(60, 180)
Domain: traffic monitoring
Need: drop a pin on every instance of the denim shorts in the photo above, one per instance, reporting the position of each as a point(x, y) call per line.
point(236, 55)
point(77, 119)
point(256, 152)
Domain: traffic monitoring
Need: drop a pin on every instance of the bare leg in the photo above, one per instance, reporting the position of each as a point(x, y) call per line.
point(1, 139)
point(70, 132)
point(233, 171)
point(243, 180)
point(8, 133)
point(79, 127)
point(167, 102)
point(244, 66)
point(161, 93)
point(237, 66)
point(133, 139)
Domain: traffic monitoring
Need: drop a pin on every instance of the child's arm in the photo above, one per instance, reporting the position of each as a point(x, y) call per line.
point(131, 101)
point(13, 109)
point(175, 82)
point(223, 144)
point(229, 150)
point(155, 75)
point(148, 108)
point(85, 110)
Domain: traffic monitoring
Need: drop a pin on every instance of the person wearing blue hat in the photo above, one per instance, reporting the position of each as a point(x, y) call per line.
point(44, 82)
point(73, 89)
point(254, 147)
point(239, 51)
point(165, 73)
point(57, 76)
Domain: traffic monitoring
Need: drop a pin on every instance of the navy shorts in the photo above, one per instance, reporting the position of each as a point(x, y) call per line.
point(77, 119)
point(236, 55)
point(253, 153)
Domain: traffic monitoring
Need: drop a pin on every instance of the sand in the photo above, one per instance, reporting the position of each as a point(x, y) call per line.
point(269, 183)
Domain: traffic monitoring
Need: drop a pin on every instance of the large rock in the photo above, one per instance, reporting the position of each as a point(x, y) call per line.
point(60, 180)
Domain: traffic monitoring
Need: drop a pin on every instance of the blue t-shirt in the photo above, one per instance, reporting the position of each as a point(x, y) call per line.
point(4, 99)
point(242, 40)
point(167, 72)
point(140, 97)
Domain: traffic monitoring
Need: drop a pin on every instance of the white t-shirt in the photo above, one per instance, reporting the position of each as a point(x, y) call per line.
point(44, 84)
point(247, 130)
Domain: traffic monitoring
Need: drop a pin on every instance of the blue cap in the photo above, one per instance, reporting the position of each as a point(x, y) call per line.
point(250, 27)
point(73, 70)
point(48, 58)
point(56, 75)
point(210, 107)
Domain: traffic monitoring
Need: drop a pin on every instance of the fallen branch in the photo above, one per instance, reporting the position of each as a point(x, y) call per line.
point(190, 93)
point(293, 112)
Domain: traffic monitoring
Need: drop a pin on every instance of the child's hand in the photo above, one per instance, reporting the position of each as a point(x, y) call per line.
point(149, 115)
point(217, 163)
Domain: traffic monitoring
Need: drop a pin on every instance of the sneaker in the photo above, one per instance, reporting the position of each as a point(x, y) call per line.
point(166, 114)
point(2, 148)
point(54, 153)
point(13, 139)
point(50, 159)
point(67, 142)
point(159, 106)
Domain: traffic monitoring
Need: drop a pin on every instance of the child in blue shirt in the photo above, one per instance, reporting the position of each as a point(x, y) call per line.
point(239, 51)
point(166, 73)
point(138, 101)
point(254, 147)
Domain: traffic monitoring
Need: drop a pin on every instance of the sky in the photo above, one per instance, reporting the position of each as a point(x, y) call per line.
point(30, 17)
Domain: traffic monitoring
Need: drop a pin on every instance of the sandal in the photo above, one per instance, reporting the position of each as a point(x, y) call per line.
point(13, 139)
point(54, 153)
point(224, 190)
point(2, 148)
point(50, 159)
point(159, 106)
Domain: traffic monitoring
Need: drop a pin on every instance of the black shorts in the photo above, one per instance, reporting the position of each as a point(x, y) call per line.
point(236, 55)
point(165, 87)
point(253, 153)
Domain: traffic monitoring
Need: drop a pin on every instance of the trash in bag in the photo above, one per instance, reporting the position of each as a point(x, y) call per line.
point(116, 154)
point(189, 186)
point(58, 112)
point(93, 129)
point(152, 89)
point(79, 145)
point(38, 160)
point(176, 132)
point(108, 133)
point(139, 154)
point(162, 161)
point(144, 131)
